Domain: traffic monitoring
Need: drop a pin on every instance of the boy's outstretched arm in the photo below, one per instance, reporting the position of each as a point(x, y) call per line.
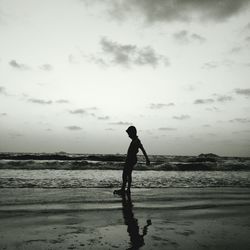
point(145, 154)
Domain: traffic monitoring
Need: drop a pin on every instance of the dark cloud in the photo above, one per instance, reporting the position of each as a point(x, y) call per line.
point(181, 117)
point(46, 67)
point(218, 98)
point(174, 10)
point(62, 101)
point(73, 128)
point(245, 92)
point(84, 111)
point(103, 117)
point(203, 101)
point(160, 105)
point(185, 37)
point(78, 111)
point(15, 64)
point(3, 114)
point(224, 98)
point(206, 126)
point(121, 123)
point(240, 120)
point(40, 101)
point(181, 36)
point(167, 129)
point(127, 55)
point(198, 38)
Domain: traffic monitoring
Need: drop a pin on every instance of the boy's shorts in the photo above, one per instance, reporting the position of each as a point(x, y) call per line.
point(128, 168)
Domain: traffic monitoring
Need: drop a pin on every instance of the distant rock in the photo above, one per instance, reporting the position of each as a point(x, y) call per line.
point(208, 155)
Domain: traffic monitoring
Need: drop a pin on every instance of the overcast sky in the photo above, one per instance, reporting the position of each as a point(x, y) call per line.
point(74, 74)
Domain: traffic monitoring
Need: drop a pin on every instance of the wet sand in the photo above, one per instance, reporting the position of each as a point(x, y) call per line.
point(166, 218)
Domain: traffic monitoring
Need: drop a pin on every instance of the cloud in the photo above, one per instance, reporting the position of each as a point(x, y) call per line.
point(121, 123)
point(3, 91)
point(96, 60)
point(247, 27)
point(244, 92)
point(210, 65)
point(127, 55)
point(92, 108)
point(62, 101)
point(103, 118)
point(109, 129)
point(223, 98)
point(84, 111)
point(185, 37)
point(15, 64)
point(78, 111)
point(240, 120)
point(167, 129)
point(40, 101)
point(235, 50)
point(203, 101)
point(212, 109)
point(73, 128)
point(218, 98)
point(3, 114)
point(181, 36)
point(46, 67)
point(181, 117)
point(198, 38)
point(215, 64)
point(160, 105)
point(174, 10)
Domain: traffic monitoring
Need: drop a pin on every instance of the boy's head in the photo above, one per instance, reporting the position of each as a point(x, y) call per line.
point(132, 133)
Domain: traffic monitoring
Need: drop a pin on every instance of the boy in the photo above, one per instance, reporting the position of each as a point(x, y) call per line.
point(131, 159)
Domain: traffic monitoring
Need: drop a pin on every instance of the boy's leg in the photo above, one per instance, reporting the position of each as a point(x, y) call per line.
point(130, 177)
point(129, 181)
point(124, 179)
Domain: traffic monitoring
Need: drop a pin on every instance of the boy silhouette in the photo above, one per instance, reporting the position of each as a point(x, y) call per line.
point(131, 159)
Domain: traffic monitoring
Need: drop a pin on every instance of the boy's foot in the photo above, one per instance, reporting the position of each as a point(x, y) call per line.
point(119, 191)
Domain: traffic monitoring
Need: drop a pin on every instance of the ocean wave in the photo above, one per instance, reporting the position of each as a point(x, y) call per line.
point(203, 162)
point(112, 179)
point(228, 165)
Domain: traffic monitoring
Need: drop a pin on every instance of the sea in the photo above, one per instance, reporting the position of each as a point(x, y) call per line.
point(64, 170)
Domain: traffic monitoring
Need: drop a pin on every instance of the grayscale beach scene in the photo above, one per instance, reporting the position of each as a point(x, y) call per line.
point(124, 124)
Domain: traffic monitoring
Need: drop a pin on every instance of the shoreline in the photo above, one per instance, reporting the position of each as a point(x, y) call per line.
point(93, 218)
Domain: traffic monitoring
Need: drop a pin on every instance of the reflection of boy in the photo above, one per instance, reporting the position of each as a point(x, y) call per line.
point(136, 239)
point(131, 158)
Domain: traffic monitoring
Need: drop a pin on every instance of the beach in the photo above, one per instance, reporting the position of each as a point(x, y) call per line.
point(151, 218)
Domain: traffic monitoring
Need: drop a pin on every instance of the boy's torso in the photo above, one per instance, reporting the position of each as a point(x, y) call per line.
point(133, 150)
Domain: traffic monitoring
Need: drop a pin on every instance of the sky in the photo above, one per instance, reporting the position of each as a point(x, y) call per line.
point(74, 74)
